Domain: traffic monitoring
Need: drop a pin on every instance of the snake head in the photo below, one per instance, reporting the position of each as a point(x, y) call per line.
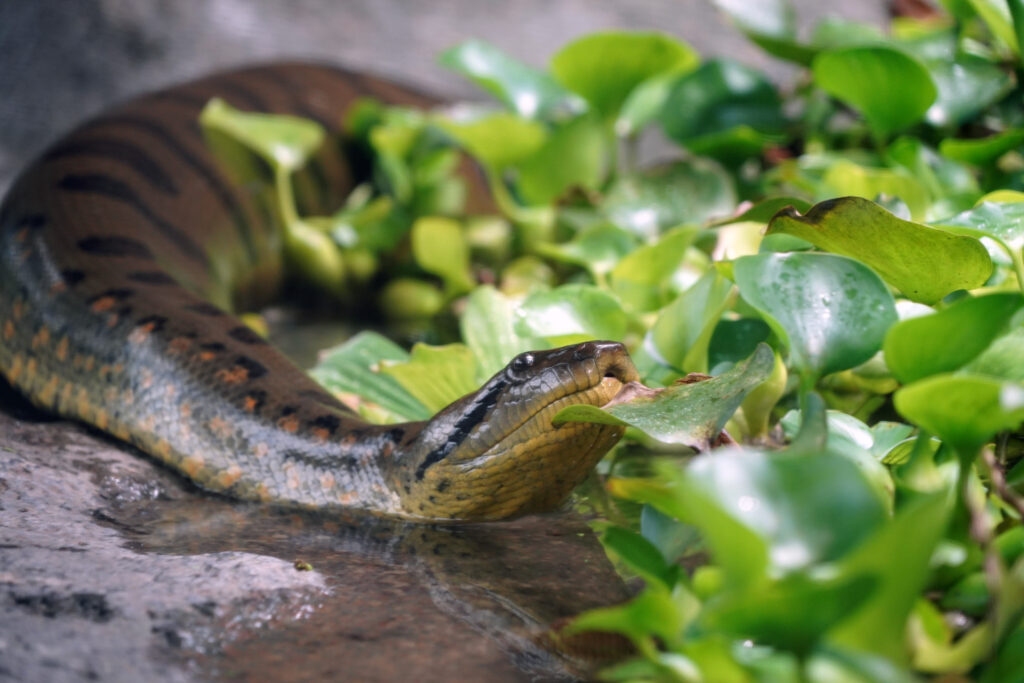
point(494, 453)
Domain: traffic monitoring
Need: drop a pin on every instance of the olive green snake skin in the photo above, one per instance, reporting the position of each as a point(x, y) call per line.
point(123, 251)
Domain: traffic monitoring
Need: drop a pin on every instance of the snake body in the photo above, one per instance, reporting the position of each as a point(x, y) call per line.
point(123, 251)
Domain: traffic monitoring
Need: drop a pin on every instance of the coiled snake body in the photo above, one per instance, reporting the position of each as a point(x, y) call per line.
point(123, 250)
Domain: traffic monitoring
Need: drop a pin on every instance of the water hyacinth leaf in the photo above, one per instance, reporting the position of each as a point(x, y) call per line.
point(965, 411)
point(640, 554)
point(604, 68)
point(496, 139)
point(644, 104)
point(597, 249)
point(996, 14)
point(734, 340)
point(723, 109)
point(879, 625)
point(762, 211)
point(570, 314)
point(889, 87)
point(440, 248)
point(980, 151)
point(653, 611)
point(792, 612)
point(1003, 359)
point(833, 311)
point(771, 25)
point(687, 414)
point(354, 368)
point(924, 263)
point(664, 197)
point(284, 142)
point(488, 327)
point(531, 93)
point(575, 155)
point(949, 339)
point(806, 508)
point(436, 375)
point(833, 32)
point(681, 334)
point(965, 86)
point(1001, 221)
point(641, 278)
point(844, 177)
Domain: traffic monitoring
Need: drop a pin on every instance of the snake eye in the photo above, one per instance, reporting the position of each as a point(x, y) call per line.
point(522, 362)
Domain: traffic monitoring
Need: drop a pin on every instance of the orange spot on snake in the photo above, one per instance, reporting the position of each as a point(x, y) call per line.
point(49, 391)
point(260, 449)
point(58, 287)
point(90, 363)
point(170, 390)
point(8, 330)
point(101, 418)
point(320, 433)
point(207, 355)
point(347, 497)
point(327, 481)
point(62, 349)
point(162, 450)
point(82, 402)
point(229, 476)
point(179, 344)
point(31, 367)
point(66, 392)
point(18, 309)
point(146, 379)
point(41, 338)
point(104, 303)
point(21, 235)
point(220, 427)
point(289, 424)
point(235, 375)
point(192, 464)
point(112, 320)
point(249, 403)
point(17, 365)
point(141, 333)
point(186, 410)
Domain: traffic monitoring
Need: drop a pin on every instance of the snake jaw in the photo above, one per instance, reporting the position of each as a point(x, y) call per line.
point(495, 454)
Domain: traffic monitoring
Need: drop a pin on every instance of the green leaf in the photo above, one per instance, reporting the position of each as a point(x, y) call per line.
point(644, 104)
point(439, 246)
point(597, 249)
point(667, 196)
point(488, 328)
point(529, 92)
point(653, 611)
point(575, 155)
point(947, 340)
point(498, 140)
point(1003, 359)
point(723, 109)
point(354, 368)
point(682, 332)
point(641, 279)
point(844, 177)
point(965, 411)
point(640, 554)
point(284, 142)
point(924, 263)
point(436, 375)
point(770, 24)
point(687, 414)
point(981, 151)
point(890, 88)
point(1001, 221)
point(605, 67)
point(966, 86)
point(570, 314)
point(763, 211)
point(833, 311)
point(996, 14)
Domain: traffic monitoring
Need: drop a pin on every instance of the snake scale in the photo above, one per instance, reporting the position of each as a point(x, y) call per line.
point(124, 250)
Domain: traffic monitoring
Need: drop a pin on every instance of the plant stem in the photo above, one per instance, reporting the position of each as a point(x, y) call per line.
point(995, 474)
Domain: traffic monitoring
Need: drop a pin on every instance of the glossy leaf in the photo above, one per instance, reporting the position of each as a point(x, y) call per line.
point(844, 177)
point(598, 249)
point(355, 368)
point(604, 68)
point(949, 339)
point(529, 92)
point(570, 314)
point(436, 375)
point(924, 263)
point(682, 332)
point(1003, 359)
point(575, 155)
point(687, 414)
point(497, 139)
point(488, 328)
point(982, 150)
point(965, 87)
point(965, 411)
point(723, 109)
point(667, 196)
point(890, 88)
point(1002, 221)
point(439, 246)
point(284, 142)
point(833, 311)
point(641, 278)
point(640, 554)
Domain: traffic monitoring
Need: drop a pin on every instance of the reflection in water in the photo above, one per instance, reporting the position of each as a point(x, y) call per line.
point(405, 601)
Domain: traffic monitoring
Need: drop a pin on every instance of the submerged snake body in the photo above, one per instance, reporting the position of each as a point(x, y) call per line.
point(122, 251)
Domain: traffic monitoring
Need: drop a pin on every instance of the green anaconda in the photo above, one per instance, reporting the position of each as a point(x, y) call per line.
point(123, 249)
